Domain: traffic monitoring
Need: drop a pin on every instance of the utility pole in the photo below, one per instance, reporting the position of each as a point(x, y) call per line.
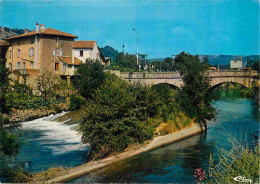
point(123, 48)
point(137, 62)
point(173, 60)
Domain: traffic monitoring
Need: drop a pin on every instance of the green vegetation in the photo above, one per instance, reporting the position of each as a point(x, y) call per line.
point(9, 142)
point(240, 161)
point(243, 91)
point(118, 114)
point(117, 117)
point(195, 96)
point(89, 77)
point(253, 64)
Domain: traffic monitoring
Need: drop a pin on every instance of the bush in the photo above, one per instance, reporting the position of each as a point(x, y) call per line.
point(89, 77)
point(76, 102)
point(118, 116)
point(240, 161)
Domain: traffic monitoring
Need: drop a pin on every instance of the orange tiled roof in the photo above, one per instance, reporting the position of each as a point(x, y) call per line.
point(68, 60)
point(84, 44)
point(48, 31)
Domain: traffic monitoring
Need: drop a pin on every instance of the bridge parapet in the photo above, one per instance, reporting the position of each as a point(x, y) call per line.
point(174, 75)
point(244, 78)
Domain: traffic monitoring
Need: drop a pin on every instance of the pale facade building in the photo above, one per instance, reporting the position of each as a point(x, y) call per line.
point(87, 50)
point(236, 63)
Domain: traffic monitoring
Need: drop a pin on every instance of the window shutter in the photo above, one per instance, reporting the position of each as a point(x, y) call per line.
point(60, 52)
point(53, 52)
point(15, 65)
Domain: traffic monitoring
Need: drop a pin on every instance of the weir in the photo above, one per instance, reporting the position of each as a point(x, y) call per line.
point(51, 144)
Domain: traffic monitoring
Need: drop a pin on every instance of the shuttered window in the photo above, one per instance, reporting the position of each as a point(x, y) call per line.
point(57, 52)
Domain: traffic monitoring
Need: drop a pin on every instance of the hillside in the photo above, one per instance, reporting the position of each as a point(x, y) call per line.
point(6, 32)
point(109, 52)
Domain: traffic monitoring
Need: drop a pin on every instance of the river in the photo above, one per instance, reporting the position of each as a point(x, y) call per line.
point(51, 144)
point(237, 117)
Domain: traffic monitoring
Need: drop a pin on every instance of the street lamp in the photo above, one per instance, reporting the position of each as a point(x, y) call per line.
point(136, 48)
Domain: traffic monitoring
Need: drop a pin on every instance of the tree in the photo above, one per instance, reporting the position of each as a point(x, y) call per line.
point(126, 61)
point(4, 85)
point(168, 64)
point(89, 76)
point(195, 96)
point(47, 82)
point(179, 59)
point(206, 61)
point(116, 117)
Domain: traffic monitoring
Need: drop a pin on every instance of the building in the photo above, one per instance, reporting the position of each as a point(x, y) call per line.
point(33, 52)
point(84, 50)
point(236, 63)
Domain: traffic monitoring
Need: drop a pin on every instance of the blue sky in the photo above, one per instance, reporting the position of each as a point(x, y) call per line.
point(164, 27)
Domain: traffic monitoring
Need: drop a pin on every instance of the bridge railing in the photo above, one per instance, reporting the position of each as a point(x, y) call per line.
point(176, 75)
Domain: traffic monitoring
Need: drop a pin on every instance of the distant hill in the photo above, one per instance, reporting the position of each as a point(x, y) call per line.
point(109, 52)
point(219, 59)
point(6, 32)
point(225, 59)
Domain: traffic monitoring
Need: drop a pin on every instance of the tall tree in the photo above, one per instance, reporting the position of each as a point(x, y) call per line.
point(195, 95)
point(89, 77)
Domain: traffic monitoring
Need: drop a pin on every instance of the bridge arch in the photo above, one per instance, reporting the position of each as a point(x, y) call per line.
point(246, 82)
point(172, 86)
point(219, 84)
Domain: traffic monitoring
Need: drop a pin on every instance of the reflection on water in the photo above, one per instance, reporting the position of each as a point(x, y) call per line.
point(175, 163)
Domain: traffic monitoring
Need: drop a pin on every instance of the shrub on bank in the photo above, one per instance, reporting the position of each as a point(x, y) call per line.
point(76, 102)
point(118, 116)
point(23, 101)
point(240, 161)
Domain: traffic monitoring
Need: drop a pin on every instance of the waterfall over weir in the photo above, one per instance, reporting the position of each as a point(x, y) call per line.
point(51, 144)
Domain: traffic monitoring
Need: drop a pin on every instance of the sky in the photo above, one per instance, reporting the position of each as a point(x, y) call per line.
point(164, 27)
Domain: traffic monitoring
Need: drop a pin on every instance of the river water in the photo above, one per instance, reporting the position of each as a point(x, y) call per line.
point(48, 143)
point(51, 144)
point(237, 117)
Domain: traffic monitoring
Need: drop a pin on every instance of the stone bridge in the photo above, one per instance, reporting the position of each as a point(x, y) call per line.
point(244, 78)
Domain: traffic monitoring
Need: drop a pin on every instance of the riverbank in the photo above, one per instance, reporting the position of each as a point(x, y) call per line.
point(22, 115)
point(155, 143)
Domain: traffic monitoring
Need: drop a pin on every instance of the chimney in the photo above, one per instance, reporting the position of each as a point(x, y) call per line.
point(26, 31)
point(42, 26)
point(37, 27)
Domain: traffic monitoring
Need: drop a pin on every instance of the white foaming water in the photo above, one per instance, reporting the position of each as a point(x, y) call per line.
point(57, 136)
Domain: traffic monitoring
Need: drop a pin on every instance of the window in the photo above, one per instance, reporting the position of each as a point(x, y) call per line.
point(57, 40)
point(235, 61)
point(81, 53)
point(10, 54)
point(10, 66)
point(64, 67)
point(19, 66)
point(31, 65)
point(31, 52)
point(24, 65)
point(18, 53)
point(32, 40)
point(56, 66)
point(57, 52)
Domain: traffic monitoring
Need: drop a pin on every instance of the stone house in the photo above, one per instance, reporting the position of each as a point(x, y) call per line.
point(34, 52)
